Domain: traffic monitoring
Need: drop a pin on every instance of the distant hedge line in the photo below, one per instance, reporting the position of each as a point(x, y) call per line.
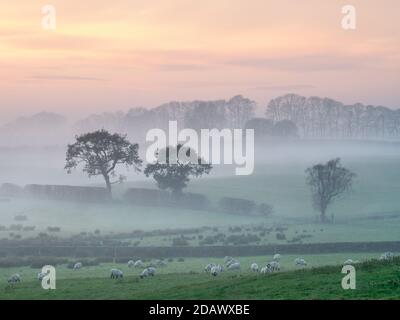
point(201, 251)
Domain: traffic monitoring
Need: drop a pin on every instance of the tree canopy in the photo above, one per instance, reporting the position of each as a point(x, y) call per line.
point(100, 152)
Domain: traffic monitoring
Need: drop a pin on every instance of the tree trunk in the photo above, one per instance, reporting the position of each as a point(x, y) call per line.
point(323, 215)
point(108, 185)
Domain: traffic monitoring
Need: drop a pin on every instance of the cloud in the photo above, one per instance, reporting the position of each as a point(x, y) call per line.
point(318, 62)
point(285, 87)
point(68, 78)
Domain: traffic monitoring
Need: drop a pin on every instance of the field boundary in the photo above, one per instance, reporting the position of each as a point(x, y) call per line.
point(201, 251)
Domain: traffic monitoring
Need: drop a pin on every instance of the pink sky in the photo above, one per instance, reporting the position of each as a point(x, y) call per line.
point(114, 55)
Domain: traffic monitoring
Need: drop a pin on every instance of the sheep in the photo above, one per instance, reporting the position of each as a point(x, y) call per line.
point(276, 257)
point(209, 267)
point(161, 263)
point(138, 264)
point(15, 278)
point(386, 256)
point(77, 265)
point(230, 262)
point(254, 267)
point(300, 262)
point(131, 264)
point(227, 259)
point(265, 270)
point(234, 266)
point(275, 266)
point(349, 262)
point(214, 271)
point(150, 271)
point(41, 275)
point(144, 274)
point(116, 274)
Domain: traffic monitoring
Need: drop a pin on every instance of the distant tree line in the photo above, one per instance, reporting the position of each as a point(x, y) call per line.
point(326, 118)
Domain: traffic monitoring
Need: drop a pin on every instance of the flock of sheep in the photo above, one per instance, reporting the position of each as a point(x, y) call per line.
point(231, 264)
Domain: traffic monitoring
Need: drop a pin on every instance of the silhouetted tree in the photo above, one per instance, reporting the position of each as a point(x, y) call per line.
point(328, 182)
point(100, 152)
point(173, 172)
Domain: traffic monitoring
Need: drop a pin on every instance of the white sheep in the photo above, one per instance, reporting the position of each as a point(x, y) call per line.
point(230, 262)
point(234, 266)
point(275, 266)
point(139, 264)
point(131, 264)
point(41, 275)
point(77, 265)
point(265, 270)
point(150, 271)
point(300, 262)
point(209, 267)
point(254, 267)
point(276, 257)
point(349, 262)
point(215, 271)
point(386, 256)
point(15, 278)
point(227, 259)
point(116, 274)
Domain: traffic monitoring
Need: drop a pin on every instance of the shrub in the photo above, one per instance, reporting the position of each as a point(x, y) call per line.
point(280, 236)
point(237, 206)
point(180, 242)
point(53, 229)
point(265, 209)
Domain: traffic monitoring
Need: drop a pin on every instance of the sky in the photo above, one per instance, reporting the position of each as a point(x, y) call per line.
point(108, 56)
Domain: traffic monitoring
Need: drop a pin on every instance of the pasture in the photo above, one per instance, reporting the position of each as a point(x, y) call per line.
point(187, 280)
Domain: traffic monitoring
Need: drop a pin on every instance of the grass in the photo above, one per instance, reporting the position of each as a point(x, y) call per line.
point(375, 280)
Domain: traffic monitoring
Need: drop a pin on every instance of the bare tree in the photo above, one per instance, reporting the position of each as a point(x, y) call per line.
point(328, 182)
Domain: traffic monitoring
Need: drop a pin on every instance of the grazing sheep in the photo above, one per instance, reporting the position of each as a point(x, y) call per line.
point(275, 266)
point(116, 274)
point(144, 274)
point(234, 266)
point(227, 259)
point(215, 271)
point(209, 267)
point(254, 267)
point(139, 264)
point(41, 275)
point(349, 262)
point(161, 263)
point(300, 262)
point(265, 270)
point(77, 266)
point(131, 263)
point(276, 257)
point(230, 262)
point(15, 278)
point(150, 271)
point(386, 256)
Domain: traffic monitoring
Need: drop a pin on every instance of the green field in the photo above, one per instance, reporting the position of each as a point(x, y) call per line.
point(375, 280)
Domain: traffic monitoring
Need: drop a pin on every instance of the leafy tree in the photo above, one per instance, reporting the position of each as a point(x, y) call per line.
point(173, 172)
point(101, 152)
point(328, 182)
